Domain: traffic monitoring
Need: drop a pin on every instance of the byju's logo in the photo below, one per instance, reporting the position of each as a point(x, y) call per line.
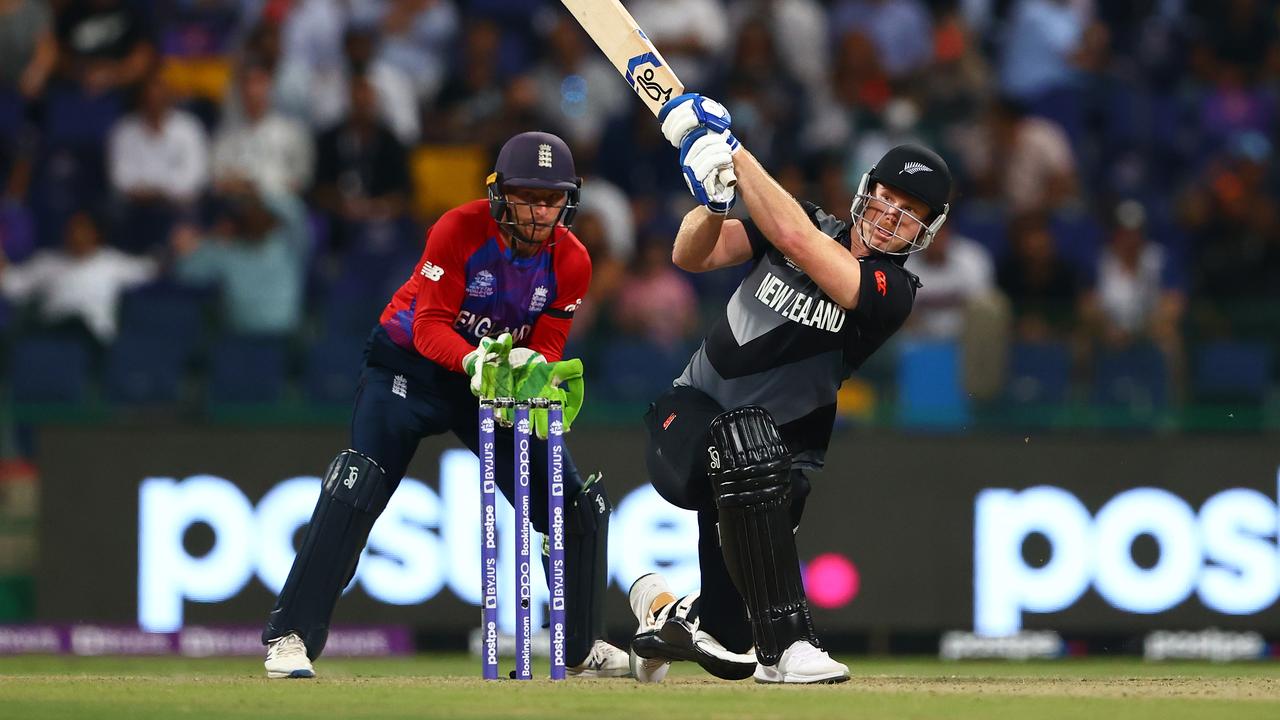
point(1226, 553)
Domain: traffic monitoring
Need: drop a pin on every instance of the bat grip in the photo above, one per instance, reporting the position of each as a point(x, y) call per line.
point(727, 177)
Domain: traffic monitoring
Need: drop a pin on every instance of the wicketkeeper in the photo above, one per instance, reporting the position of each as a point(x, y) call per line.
point(492, 297)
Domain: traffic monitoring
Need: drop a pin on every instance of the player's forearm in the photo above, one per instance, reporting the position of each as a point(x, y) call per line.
point(696, 239)
point(788, 228)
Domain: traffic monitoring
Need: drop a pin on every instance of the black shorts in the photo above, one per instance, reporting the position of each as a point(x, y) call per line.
point(678, 423)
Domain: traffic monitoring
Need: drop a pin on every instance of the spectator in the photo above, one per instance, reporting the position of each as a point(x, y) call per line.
point(1024, 160)
point(361, 175)
point(1135, 295)
point(29, 51)
point(578, 90)
point(416, 35)
point(105, 45)
point(256, 253)
point(955, 272)
point(607, 274)
point(158, 154)
point(397, 96)
point(28, 55)
point(799, 30)
point(767, 102)
point(690, 33)
point(79, 285)
point(1040, 40)
point(158, 165)
point(267, 149)
point(958, 302)
point(656, 301)
point(1041, 287)
point(901, 31)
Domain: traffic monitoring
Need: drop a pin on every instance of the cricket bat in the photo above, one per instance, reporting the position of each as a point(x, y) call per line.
point(616, 33)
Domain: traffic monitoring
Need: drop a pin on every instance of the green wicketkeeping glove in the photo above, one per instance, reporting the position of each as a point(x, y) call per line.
point(559, 381)
point(488, 368)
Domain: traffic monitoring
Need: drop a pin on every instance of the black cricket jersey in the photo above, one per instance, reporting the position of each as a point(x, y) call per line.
point(783, 344)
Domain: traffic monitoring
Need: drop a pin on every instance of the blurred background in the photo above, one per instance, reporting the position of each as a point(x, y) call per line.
point(206, 203)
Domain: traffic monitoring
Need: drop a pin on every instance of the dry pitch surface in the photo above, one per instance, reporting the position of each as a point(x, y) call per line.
point(445, 686)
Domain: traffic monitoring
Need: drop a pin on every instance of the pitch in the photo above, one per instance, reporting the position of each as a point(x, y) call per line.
point(446, 686)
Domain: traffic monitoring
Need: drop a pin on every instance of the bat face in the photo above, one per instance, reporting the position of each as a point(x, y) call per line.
point(615, 32)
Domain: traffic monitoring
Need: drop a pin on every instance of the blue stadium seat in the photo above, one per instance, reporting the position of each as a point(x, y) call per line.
point(1079, 239)
point(983, 223)
point(143, 369)
point(51, 369)
point(17, 232)
point(634, 370)
point(1039, 373)
point(166, 310)
point(245, 369)
point(929, 390)
point(1231, 370)
point(1136, 378)
point(332, 369)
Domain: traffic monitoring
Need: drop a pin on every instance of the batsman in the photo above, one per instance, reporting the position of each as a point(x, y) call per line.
point(490, 301)
point(736, 435)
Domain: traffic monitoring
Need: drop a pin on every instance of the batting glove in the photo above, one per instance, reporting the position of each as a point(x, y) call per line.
point(703, 155)
point(685, 113)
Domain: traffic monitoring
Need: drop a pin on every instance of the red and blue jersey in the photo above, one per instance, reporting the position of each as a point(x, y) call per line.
point(467, 286)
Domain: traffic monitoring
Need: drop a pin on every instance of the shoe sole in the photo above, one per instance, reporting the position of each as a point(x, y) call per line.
point(820, 681)
point(674, 642)
point(293, 675)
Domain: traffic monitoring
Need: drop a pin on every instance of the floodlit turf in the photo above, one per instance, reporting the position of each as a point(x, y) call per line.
point(445, 686)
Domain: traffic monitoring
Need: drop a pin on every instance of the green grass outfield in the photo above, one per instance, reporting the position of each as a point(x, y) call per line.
point(446, 686)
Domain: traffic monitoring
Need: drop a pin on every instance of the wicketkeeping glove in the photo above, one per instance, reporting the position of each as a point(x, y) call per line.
point(488, 367)
point(559, 382)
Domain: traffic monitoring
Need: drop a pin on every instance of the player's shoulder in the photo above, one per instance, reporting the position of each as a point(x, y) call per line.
point(826, 222)
point(891, 278)
point(569, 249)
point(473, 213)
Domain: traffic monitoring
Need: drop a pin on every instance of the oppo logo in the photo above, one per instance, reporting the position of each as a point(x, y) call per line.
point(1225, 553)
point(425, 542)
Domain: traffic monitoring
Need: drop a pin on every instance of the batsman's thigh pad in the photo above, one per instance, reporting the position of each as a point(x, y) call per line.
point(354, 493)
point(750, 471)
point(676, 456)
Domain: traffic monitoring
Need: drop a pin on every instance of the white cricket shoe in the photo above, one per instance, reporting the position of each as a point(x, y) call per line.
point(287, 658)
point(604, 661)
point(803, 663)
point(644, 592)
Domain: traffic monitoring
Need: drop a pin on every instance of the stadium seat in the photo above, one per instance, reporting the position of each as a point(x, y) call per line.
point(1079, 239)
point(929, 391)
point(983, 223)
point(1136, 378)
point(1039, 373)
point(52, 369)
point(1231, 370)
point(634, 370)
point(332, 368)
point(145, 369)
point(17, 232)
point(247, 369)
point(166, 310)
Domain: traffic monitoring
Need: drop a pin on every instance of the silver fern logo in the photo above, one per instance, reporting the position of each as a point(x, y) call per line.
point(913, 167)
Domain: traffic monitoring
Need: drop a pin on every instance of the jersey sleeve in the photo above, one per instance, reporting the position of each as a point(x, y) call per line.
point(573, 277)
point(439, 298)
point(759, 243)
point(885, 298)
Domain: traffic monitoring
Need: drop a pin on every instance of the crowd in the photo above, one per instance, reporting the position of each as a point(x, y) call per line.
point(1115, 165)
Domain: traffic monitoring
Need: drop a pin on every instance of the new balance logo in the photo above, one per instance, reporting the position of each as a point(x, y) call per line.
point(544, 155)
point(432, 272)
point(913, 167)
